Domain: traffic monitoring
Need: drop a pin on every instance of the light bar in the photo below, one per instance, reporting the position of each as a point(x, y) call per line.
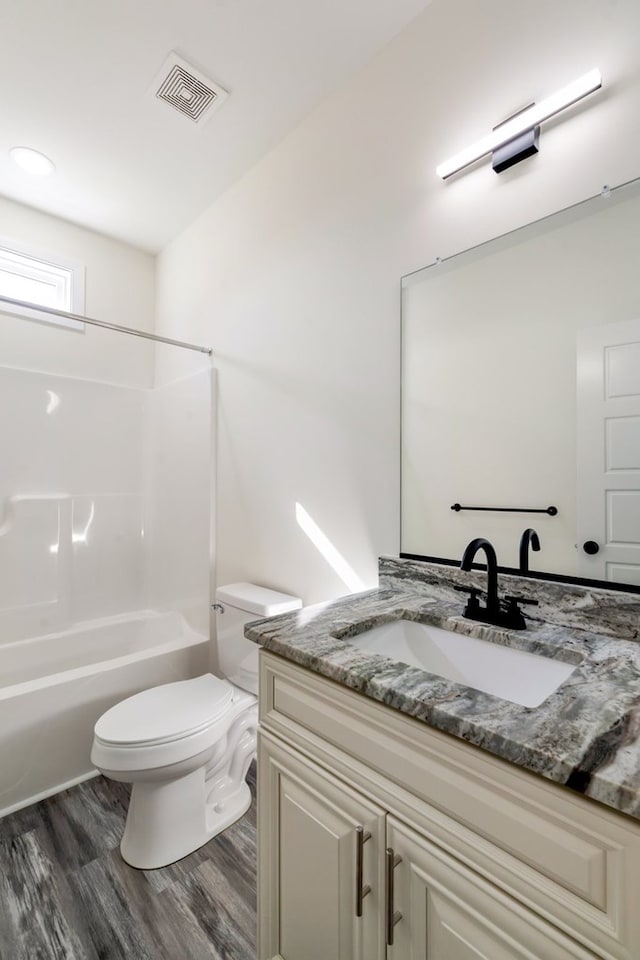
point(526, 120)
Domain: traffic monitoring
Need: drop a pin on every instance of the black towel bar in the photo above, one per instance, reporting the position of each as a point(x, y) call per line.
point(552, 511)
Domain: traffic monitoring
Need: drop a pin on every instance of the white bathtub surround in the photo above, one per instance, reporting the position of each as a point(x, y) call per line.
point(57, 685)
point(104, 500)
point(71, 501)
point(104, 559)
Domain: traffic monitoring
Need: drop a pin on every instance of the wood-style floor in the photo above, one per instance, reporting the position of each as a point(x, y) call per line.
point(66, 894)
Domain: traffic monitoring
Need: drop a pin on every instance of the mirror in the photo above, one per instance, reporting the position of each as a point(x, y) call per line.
point(521, 391)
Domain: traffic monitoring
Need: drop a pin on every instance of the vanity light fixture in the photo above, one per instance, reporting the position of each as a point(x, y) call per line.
point(32, 161)
point(520, 130)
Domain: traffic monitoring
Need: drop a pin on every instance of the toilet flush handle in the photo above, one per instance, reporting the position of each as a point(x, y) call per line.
point(217, 607)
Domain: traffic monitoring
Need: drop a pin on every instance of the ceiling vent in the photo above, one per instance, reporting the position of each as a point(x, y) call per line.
point(187, 90)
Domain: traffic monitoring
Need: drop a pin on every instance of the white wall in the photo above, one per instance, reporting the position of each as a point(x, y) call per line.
point(119, 288)
point(293, 275)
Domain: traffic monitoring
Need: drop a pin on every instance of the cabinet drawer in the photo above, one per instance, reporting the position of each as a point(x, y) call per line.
point(572, 860)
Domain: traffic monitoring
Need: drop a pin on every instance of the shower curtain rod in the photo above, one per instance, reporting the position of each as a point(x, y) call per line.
point(105, 325)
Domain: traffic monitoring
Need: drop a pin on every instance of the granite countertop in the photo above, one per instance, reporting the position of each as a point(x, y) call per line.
point(585, 735)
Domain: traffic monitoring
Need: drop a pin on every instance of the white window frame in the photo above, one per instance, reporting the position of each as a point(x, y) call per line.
point(31, 262)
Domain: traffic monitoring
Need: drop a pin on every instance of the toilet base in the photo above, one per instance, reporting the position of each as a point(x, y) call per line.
point(168, 821)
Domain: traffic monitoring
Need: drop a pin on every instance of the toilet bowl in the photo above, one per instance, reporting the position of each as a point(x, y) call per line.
point(186, 746)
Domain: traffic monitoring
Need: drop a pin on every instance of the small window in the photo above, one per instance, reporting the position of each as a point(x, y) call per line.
point(30, 276)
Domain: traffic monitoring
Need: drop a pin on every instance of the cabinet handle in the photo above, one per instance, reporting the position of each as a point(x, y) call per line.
point(392, 915)
point(362, 836)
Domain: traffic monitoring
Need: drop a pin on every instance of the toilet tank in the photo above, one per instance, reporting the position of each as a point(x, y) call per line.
point(242, 603)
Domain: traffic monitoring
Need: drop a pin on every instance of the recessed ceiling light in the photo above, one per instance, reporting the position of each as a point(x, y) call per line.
point(32, 161)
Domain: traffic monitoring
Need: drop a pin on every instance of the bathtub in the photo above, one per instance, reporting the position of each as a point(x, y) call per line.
point(54, 688)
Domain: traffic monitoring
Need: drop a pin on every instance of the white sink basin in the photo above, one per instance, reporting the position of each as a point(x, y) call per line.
point(515, 675)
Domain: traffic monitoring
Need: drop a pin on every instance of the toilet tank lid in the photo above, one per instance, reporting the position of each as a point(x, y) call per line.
point(259, 600)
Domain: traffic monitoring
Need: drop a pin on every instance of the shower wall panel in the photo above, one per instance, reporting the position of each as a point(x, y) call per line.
point(71, 501)
point(178, 506)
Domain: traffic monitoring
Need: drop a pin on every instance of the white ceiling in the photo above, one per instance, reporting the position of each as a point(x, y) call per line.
point(75, 81)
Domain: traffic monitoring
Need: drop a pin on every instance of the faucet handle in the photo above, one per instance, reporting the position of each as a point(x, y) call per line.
point(472, 591)
point(473, 604)
point(525, 600)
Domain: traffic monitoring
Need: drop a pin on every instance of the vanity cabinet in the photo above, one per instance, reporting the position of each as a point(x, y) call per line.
point(366, 817)
point(417, 902)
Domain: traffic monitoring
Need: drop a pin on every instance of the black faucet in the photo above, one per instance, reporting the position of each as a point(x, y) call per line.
point(480, 543)
point(529, 537)
point(494, 612)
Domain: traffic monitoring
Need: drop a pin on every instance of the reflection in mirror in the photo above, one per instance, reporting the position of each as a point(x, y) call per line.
point(521, 389)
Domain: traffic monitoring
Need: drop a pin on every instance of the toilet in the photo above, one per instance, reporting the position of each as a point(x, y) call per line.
point(186, 746)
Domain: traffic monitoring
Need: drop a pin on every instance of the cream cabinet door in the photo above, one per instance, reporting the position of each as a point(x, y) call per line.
point(446, 912)
point(313, 837)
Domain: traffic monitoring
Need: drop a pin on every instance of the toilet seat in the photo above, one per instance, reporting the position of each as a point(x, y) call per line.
point(165, 714)
point(166, 725)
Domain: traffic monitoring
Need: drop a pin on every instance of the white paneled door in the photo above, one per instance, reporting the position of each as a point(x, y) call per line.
point(608, 411)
